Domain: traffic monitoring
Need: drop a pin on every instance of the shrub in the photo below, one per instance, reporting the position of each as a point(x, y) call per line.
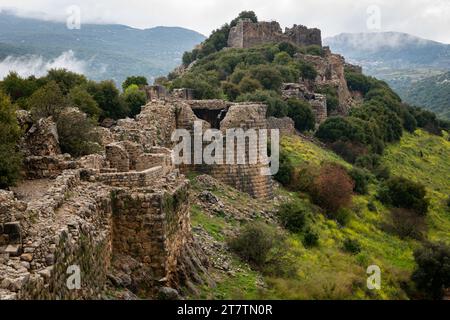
point(302, 114)
point(134, 99)
point(358, 82)
point(254, 243)
point(403, 193)
point(352, 246)
point(66, 80)
point(276, 107)
point(287, 47)
point(231, 90)
point(268, 76)
point(332, 189)
point(311, 238)
point(408, 224)
point(77, 134)
point(282, 58)
point(361, 178)
point(372, 207)
point(108, 99)
point(10, 159)
point(249, 85)
point(303, 178)
point(47, 101)
point(78, 97)
point(432, 274)
point(286, 170)
point(307, 71)
point(139, 81)
point(294, 216)
point(19, 88)
point(343, 216)
point(349, 151)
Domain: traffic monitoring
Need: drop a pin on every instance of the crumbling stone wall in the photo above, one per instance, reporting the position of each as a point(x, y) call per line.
point(286, 125)
point(152, 226)
point(247, 34)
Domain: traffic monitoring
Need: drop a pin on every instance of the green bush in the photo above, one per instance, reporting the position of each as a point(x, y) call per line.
point(311, 238)
point(249, 85)
point(47, 101)
point(255, 242)
point(361, 177)
point(352, 246)
point(77, 134)
point(10, 158)
point(308, 71)
point(139, 81)
point(342, 216)
point(18, 88)
point(108, 99)
point(407, 224)
point(66, 80)
point(276, 107)
point(78, 97)
point(403, 193)
point(282, 58)
point(432, 274)
point(294, 216)
point(358, 82)
point(286, 170)
point(134, 98)
point(302, 114)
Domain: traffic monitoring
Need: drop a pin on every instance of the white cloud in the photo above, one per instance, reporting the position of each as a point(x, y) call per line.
point(426, 18)
point(35, 65)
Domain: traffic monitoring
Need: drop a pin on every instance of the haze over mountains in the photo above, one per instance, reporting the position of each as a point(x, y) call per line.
point(418, 69)
point(99, 51)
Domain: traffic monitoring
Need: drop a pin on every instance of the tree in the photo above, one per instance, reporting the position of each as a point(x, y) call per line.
point(77, 134)
point(361, 178)
point(282, 58)
point(276, 107)
point(332, 189)
point(10, 159)
point(432, 274)
point(268, 76)
point(66, 80)
point(308, 71)
point(108, 99)
point(135, 99)
point(294, 216)
point(139, 81)
point(249, 85)
point(47, 101)
point(302, 114)
point(78, 97)
point(403, 193)
point(19, 88)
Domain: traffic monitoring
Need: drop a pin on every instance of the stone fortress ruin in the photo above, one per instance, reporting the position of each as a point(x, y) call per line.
point(247, 34)
point(122, 217)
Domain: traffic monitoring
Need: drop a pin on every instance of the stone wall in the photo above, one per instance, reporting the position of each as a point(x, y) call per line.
point(153, 227)
point(286, 125)
point(248, 34)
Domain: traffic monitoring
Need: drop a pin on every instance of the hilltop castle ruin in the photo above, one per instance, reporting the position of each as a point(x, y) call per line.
point(247, 34)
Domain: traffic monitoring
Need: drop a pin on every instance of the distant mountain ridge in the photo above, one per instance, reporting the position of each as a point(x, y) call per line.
point(110, 51)
point(411, 65)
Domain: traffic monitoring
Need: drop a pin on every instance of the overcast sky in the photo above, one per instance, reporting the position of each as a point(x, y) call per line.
point(425, 18)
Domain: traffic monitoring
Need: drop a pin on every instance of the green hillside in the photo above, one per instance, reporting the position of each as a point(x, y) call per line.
point(327, 271)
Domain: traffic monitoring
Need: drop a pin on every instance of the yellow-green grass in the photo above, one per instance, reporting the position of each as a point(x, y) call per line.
point(425, 158)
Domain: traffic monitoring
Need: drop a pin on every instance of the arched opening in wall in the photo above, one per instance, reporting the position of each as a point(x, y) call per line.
point(213, 116)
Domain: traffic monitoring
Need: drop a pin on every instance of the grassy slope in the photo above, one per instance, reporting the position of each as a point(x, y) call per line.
point(327, 272)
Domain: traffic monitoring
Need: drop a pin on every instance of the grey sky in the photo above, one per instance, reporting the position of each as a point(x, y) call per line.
point(425, 18)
